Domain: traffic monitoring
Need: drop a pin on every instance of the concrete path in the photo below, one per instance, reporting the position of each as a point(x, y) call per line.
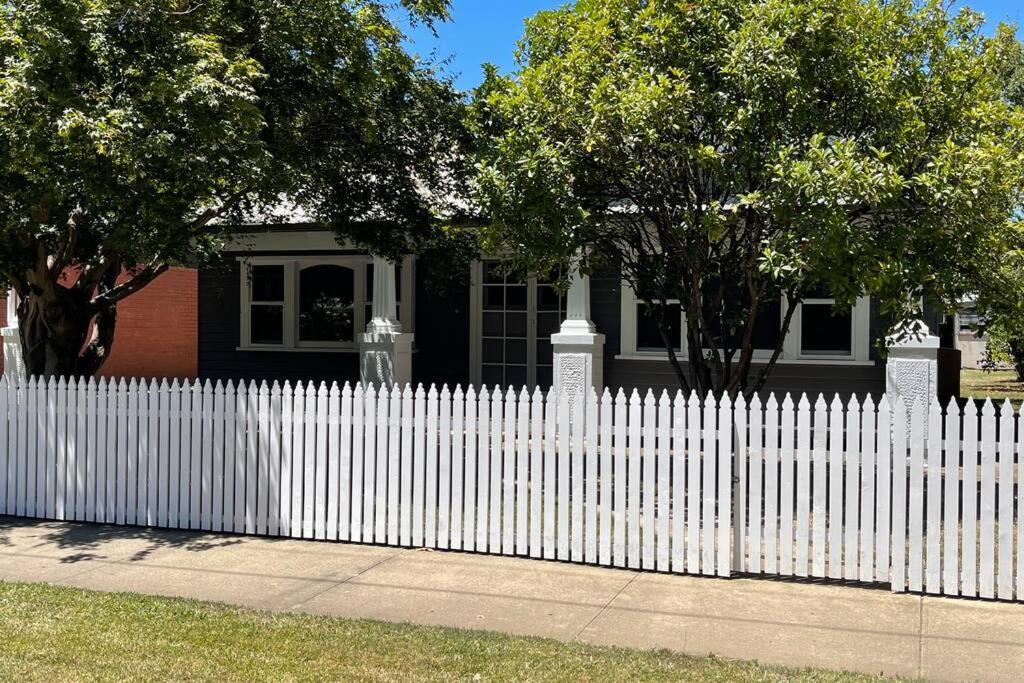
point(794, 624)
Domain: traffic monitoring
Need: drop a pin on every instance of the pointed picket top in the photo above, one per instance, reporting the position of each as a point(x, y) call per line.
point(621, 396)
point(484, 394)
point(52, 383)
point(837, 404)
point(406, 391)
point(854, 404)
point(634, 398)
point(432, 392)
point(218, 388)
point(819, 404)
point(804, 403)
point(254, 389)
point(883, 404)
point(664, 401)
point(726, 401)
point(755, 401)
point(787, 402)
point(510, 395)
point(869, 405)
point(649, 398)
point(346, 391)
point(445, 392)
point(334, 391)
point(741, 401)
point(1006, 410)
point(72, 383)
point(773, 402)
point(322, 390)
point(92, 383)
point(370, 393)
point(421, 393)
point(207, 386)
point(122, 385)
point(709, 399)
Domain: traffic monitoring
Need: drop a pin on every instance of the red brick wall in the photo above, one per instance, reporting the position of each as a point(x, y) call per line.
point(156, 329)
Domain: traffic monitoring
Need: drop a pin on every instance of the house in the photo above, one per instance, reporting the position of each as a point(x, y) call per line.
point(290, 303)
point(156, 329)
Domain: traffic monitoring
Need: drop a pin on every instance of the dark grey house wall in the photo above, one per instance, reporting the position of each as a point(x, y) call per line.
point(605, 293)
point(443, 340)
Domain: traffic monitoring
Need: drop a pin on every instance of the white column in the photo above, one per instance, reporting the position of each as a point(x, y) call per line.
point(912, 365)
point(14, 362)
point(578, 348)
point(385, 351)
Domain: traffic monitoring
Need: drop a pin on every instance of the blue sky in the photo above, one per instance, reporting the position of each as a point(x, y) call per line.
point(487, 30)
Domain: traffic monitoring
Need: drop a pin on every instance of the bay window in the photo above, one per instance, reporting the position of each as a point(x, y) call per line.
point(311, 303)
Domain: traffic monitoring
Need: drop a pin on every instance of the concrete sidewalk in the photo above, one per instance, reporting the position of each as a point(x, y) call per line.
point(794, 624)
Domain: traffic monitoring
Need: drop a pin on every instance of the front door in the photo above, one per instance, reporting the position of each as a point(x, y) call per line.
point(512, 328)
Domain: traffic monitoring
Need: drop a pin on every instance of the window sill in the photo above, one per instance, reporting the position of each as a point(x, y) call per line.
point(759, 361)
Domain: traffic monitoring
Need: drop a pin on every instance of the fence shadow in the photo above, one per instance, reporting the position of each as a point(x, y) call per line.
point(89, 540)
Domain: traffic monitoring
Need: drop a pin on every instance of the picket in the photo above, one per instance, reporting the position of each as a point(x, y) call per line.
point(442, 409)
point(648, 463)
point(926, 502)
point(535, 531)
point(951, 499)
point(1004, 581)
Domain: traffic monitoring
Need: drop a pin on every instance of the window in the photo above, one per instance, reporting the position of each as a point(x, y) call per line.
point(516, 320)
point(266, 309)
point(648, 334)
point(819, 331)
point(326, 304)
point(311, 303)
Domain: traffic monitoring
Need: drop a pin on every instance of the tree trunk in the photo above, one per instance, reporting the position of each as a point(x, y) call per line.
point(1017, 353)
point(55, 324)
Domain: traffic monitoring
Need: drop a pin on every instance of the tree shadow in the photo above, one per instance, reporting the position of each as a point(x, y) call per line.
point(89, 539)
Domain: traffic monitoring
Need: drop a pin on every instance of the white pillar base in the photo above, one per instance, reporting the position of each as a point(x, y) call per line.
point(14, 362)
point(579, 363)
point(385, 359)
point(912, 366)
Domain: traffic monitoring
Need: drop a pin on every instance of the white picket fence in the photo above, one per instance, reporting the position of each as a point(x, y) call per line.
point(924, 502)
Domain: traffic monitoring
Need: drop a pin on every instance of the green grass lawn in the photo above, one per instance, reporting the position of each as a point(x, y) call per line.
point(49, 633)
point(998, 384)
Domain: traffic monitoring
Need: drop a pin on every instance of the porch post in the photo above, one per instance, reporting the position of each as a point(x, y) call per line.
point(385, 351)
point(912, 366)
point(14, 362)
point(578, 348)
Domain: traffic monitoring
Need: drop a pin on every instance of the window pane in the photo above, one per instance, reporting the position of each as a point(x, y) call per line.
point(494, 324)
point(826, 334)
point(545, 377)
point(548, 324)
point(268, 283)
point(492, 375)
point(515, 325)
point(768, 325)
point(545, 355)
point(515, 297)
point(493, 351)
point(494, 298)
point(493, 273)
point(515, 351)
point(326, 304)
point(548, 299)
point(266, 324)
point(648, 338)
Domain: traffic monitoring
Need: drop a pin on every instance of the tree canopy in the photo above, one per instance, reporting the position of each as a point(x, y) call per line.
point(130, 130)
point(730, 153)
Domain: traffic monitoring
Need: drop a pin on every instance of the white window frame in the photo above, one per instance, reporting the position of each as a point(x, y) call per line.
point(791, 351)
point(293, 266)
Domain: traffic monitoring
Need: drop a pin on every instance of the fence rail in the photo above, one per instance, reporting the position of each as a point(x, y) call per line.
point(923, 499)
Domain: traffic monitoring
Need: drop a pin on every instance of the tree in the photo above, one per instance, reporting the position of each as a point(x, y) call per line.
point(131, 132)
point(735, 155)
point(1000, 296)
